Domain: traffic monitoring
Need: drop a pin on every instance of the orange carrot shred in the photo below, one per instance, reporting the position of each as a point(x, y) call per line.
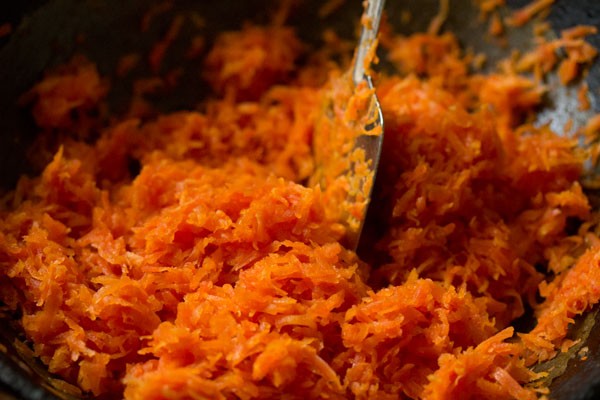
point(183, 255)
point(5, 29)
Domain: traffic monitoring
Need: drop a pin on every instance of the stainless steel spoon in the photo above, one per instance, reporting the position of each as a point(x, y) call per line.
point(350, 164)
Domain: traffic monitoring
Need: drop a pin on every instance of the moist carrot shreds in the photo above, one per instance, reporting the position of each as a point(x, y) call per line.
point(179, 256)
point(544, 57)
point(244, 64)
point(573, 291)
point(495, 368)
point(395, 336)
point(523, 15)
point(5, 29)
point(67, 96)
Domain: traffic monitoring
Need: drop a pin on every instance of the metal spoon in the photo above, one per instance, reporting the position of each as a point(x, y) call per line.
point(347, 151)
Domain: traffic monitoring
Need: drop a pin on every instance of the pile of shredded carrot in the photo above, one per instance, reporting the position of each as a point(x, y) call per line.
point(181, 256)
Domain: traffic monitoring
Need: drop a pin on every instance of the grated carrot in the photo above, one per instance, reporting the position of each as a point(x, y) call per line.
point(160, 48)
point(197, 46)
point(154, 11)
point(211, 271)
point(523, 15)
point(68, 97)
point(246, 64)
point(496, 26)
point(127, 63)
point(5, 29)
point(330, 7)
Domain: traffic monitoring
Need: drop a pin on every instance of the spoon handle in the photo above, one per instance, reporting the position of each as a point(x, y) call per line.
point(370, 26)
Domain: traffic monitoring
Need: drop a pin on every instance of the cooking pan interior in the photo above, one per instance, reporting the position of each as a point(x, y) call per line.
point(47, 33)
